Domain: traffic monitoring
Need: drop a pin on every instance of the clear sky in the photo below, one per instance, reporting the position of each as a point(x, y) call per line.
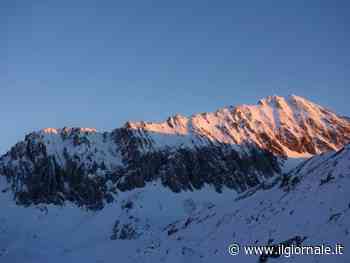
point(100, 63)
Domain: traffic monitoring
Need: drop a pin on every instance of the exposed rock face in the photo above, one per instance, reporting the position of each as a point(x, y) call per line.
point(234, 147)
point(38, 174)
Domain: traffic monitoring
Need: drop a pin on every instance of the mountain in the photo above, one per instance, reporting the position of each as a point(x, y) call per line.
point(235, 147)
point(310, 205)
point(293, 126)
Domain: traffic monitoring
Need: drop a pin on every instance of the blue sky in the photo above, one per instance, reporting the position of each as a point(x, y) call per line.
point(100, 63)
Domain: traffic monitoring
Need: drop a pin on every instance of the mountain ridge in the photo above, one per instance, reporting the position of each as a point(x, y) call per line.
point(291, 126)
point(236, 147)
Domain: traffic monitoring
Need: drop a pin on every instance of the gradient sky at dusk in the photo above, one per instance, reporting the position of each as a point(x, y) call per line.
point(101, 63)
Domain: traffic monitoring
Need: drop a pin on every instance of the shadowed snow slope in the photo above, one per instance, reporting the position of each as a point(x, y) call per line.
point(153, 224)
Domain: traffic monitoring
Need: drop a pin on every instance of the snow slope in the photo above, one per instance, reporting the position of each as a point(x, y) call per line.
point(312, 202)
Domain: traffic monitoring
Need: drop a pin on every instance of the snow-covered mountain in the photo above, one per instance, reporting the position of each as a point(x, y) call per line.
point(293, 126)
point(233, 147)
point(180, 190)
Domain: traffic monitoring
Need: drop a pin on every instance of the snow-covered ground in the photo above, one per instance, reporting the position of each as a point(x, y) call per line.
point(163, 226)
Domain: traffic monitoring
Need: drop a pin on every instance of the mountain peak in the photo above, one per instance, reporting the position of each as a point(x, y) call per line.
point(290, 126)
point(271, 99)
point(275, 99)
